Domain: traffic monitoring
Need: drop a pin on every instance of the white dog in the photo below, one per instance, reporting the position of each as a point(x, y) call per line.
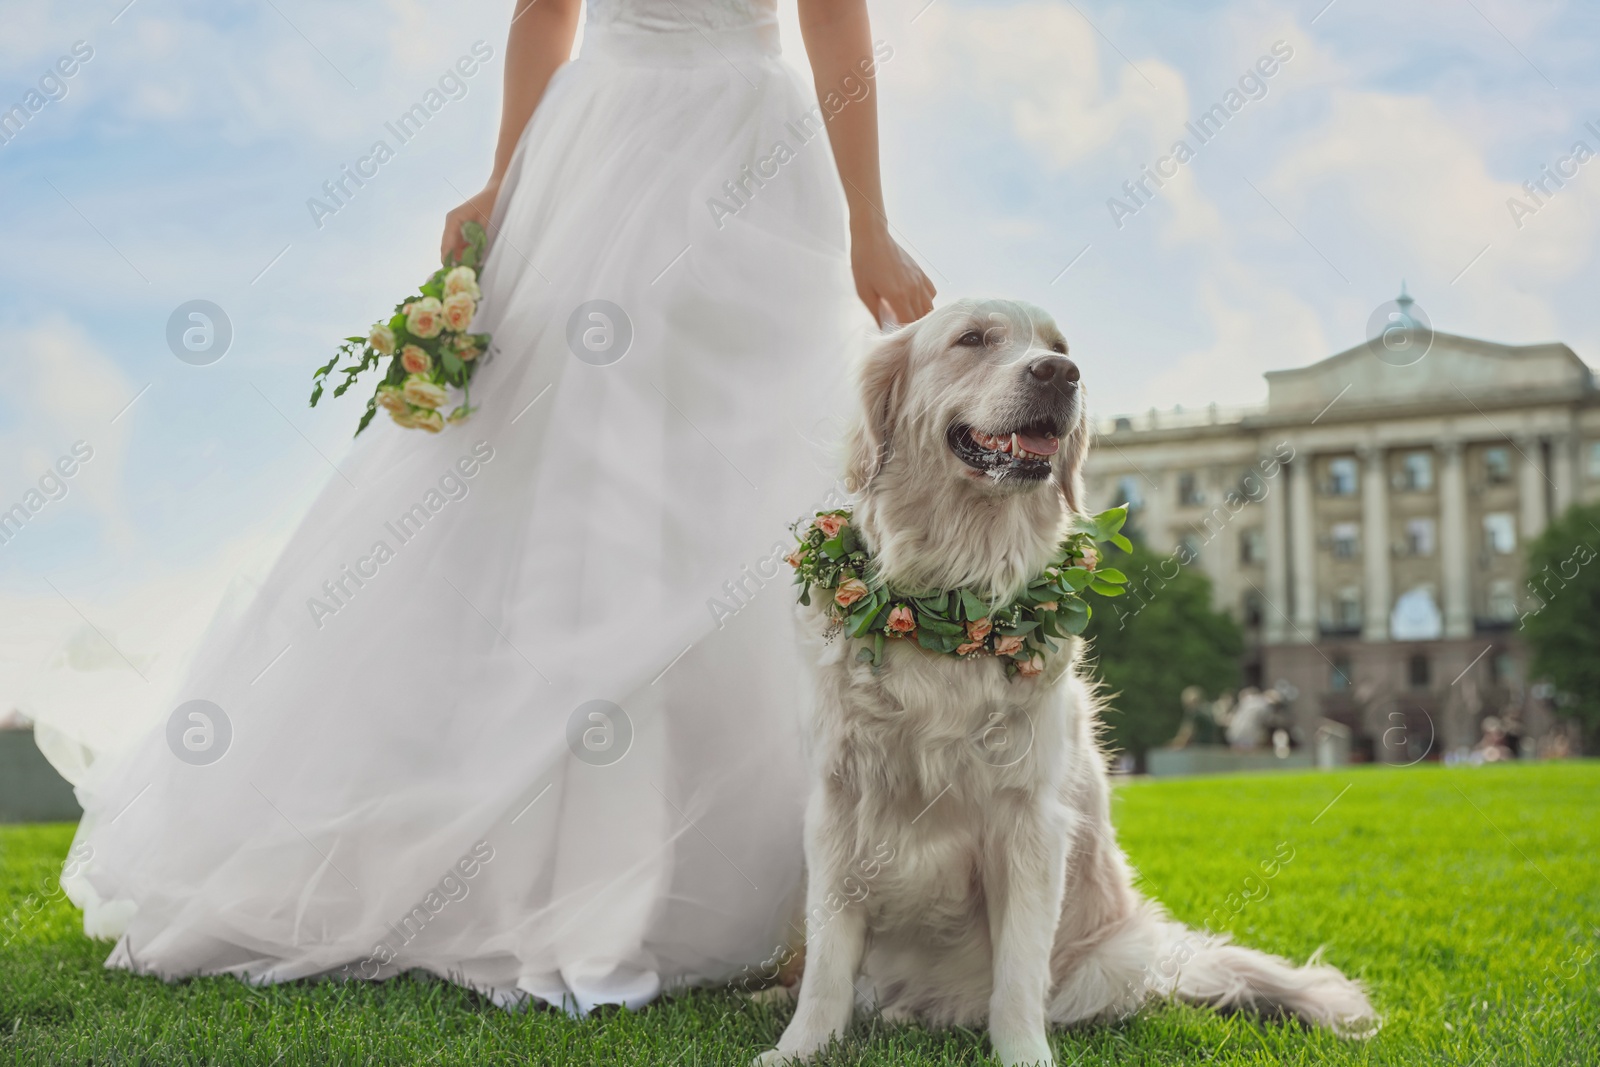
point(961, 861)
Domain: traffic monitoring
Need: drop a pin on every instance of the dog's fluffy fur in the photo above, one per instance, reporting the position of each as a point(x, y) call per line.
point(956, 875)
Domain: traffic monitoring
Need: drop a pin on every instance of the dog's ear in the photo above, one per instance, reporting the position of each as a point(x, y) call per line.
point(1068, 468)
point(881, 382)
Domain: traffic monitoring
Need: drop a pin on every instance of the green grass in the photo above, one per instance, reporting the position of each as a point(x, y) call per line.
point(1466, 898)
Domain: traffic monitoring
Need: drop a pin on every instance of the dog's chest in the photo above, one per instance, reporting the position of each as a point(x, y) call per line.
point(921, 748)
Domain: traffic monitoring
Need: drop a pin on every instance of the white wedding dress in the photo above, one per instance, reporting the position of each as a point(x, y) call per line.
point(413, 771)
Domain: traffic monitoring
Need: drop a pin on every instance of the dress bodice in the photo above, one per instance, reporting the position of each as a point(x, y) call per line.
point(667, 15)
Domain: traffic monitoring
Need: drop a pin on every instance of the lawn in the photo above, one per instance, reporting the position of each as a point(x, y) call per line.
point(1467, 898)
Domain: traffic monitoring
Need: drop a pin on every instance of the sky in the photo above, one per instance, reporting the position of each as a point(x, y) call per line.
point(176, 161)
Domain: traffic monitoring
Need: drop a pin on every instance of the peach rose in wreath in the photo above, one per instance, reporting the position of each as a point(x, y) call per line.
point(850, 590)
point(415, 360)
point(830, 525)
point(978, 629)
point(793, 559)
point(1008, 645)
point(969, 648)
point(1031, 667)
point(901, 621)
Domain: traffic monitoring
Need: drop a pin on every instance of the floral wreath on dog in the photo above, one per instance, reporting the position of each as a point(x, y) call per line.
point(958, 622)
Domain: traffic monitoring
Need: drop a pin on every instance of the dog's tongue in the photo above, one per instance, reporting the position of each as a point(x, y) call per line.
point(1042, 445)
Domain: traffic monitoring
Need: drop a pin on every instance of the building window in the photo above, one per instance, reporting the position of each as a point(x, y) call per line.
point(1189, 493)
point(1416, 472)
point(1341, 477)
point(1497, 465)
point(1255, 609)
point(1500, 533)
point(1594, 459)
point(1252, 545)
point(1419, 673)
point(1128, 492)
point(1339, 674)
point(1348, 608)
point(1502, 600)
point(1420, 537)
point(1345, 539)
point(1189, 547)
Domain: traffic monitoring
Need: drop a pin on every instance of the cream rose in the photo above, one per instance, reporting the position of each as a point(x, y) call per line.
point(431, 421)
point(390, 399)
point(425, 318)
point(850, 590)
point(382, 339)
point(462, 280)
point(1031, 667)
point(403, 418)
point(1008, 645)
point(458, 311)
point(901, 621)
point(830, 525)
point(423, 393)
point(415, 360)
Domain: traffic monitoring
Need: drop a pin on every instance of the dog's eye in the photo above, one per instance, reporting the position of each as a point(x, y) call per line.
point(970, 339)
point(1059, 346)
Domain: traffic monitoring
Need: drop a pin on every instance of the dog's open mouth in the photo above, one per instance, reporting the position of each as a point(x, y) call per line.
point(1023, 452)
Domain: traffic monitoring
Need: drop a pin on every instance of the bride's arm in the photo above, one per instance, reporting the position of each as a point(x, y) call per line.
point(539, 42)
point(839, 41)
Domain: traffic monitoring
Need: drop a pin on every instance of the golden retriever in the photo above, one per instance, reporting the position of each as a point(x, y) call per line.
point(962, 868)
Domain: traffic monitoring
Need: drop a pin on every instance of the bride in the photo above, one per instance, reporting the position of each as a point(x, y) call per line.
point(516, 705)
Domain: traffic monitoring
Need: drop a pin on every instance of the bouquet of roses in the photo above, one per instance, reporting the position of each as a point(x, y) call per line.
point(427, 345)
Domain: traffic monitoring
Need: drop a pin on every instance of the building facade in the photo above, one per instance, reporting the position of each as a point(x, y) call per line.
point(1367, 525)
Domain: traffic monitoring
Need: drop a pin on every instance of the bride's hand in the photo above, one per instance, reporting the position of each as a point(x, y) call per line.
point(476, 209)
point(885, 275)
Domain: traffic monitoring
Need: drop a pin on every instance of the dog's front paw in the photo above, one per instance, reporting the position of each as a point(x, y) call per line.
point(1022, 1050)
point(774, 1058)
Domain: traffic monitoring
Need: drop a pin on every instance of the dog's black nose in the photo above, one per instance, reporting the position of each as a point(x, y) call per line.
point(1058, 369)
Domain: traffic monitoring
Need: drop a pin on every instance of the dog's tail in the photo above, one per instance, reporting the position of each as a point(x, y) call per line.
point(1205, 968)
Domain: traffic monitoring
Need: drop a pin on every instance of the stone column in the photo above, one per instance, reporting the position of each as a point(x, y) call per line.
point(1453, 541)
point(1302, 549)
point(1564, 472)
point(1275, 543)
point(1157, 510)
point(1531, 486)
point(1221, 555)
point(1377, 597)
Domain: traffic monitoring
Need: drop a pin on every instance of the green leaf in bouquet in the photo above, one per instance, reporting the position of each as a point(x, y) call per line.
point(973, 608)
point(1111, 574)
point(1122, 542)
point(1106, 588)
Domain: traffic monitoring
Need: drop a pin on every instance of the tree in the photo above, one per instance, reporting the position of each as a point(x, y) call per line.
point(1148, 645)
point(1563, 626)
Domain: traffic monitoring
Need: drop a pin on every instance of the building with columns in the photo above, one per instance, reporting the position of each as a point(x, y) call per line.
point(1366, 526)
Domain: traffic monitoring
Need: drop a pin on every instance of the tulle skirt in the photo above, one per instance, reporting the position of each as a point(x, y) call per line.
point(518, 703)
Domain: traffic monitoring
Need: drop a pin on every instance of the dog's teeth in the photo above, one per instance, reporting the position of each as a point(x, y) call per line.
point(1016, 445)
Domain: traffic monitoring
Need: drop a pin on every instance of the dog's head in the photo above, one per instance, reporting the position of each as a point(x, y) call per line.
point(981, 394)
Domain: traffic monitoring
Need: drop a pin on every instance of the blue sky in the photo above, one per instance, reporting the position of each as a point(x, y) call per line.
point(178, 164)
